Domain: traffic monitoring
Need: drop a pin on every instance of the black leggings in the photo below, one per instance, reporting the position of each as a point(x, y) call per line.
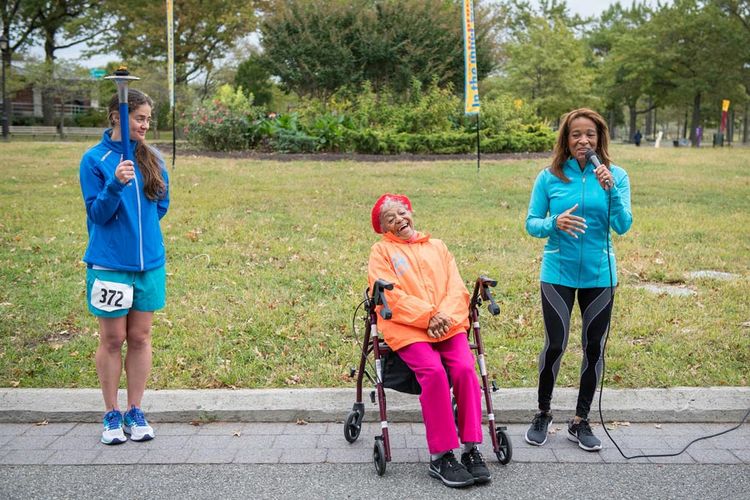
point(557, 305)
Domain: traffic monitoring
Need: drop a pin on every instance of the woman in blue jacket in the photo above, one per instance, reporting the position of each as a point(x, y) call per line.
point(125, 257)
point(574, 204)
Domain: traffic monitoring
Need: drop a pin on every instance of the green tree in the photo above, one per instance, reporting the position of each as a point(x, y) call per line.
point(316, 47)
point(254, 78)
point(59, 80)
point(204, 32)
point(626, 58)
point(19, 22)
point(546, 65)
point(700, 58)
point(739, 10)
point(59, 24)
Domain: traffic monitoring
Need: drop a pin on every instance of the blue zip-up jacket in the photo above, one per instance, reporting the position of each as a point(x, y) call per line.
point(579, 262)
point(123, 224)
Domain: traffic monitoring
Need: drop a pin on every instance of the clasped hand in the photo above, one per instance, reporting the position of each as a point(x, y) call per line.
point(440, 324)
point(125, 171)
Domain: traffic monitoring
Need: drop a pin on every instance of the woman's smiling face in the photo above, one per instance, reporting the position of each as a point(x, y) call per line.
point(582, 137)
point(396, 219)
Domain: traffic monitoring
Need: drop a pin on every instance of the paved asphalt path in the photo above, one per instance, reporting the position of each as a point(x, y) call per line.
point(226, 460)
point(324, 481)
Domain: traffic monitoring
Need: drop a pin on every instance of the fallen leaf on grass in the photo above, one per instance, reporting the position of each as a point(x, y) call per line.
point(15, 383)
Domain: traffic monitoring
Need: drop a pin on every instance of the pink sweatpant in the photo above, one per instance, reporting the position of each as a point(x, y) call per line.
point(426, 361)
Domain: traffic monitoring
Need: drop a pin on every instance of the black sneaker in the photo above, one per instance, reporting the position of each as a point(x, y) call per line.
point(537, 433)
point(450, 472)
point(582, 434)
point(474, 463)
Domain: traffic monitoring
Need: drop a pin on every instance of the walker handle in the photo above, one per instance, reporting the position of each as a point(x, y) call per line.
point(378, 297)
point(482, 288)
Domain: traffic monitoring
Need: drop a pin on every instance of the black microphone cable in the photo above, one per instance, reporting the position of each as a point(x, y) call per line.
point(604, 348)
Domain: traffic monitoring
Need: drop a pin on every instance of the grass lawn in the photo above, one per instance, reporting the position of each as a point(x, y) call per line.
point(267, 261)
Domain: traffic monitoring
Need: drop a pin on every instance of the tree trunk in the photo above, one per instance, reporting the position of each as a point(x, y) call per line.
point(649, 128)
point(744, 124)
point(696, 121)
point(48, 95)
point(685, 125)
point(632, 122)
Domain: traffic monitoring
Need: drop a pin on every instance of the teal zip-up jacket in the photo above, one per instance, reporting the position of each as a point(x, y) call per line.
point(579, 262)
point(123, 224)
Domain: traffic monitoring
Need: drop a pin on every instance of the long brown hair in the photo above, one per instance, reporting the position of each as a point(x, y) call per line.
point(145, 156)
point(562, 153)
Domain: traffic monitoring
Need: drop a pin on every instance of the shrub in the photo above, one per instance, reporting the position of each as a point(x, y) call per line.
point(91, 118)
point(430, 111)
point(224, 122)
point(370, 141)
point(329, 130)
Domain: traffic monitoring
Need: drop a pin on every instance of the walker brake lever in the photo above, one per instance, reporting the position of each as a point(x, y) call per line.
point(378, 295)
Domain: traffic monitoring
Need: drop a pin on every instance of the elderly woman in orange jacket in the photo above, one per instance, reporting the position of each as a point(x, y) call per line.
point(428, 328)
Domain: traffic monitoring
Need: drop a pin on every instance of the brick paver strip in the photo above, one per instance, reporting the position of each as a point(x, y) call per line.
point(714, 456)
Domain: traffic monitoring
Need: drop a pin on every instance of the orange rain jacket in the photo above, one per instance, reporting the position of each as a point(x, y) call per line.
point(426, 280)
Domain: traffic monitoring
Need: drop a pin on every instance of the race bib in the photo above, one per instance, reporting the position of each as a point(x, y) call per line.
point(110, 296)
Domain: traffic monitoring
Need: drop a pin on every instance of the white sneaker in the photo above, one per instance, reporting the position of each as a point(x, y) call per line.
point(113, 433)
point(137, 426)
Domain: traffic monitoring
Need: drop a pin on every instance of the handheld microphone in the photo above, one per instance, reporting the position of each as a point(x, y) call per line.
point(591, 156)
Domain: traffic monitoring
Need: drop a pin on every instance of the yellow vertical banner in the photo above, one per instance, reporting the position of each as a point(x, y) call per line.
point(170, 51)
point(724, 111)
point(471, 77)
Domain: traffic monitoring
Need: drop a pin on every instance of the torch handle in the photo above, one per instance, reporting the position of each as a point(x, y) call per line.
point(125, 130)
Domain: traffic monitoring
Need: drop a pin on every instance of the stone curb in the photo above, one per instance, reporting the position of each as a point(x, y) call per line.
point(678, 405)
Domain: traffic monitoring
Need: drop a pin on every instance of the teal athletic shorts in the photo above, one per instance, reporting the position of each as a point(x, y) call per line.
point(111, 294)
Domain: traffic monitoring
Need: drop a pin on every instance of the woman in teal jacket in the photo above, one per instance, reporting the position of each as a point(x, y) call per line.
point(574, 204)
point(125, 275)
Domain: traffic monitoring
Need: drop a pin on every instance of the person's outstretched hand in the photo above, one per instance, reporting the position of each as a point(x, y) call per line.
point(570, 223)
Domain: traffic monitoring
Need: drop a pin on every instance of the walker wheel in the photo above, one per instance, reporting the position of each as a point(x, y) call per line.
point(351, 429)
point(378, 455)
point(504, 450)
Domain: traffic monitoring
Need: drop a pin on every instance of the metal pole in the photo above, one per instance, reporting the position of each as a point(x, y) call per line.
point(478, 148)
point(121, 78)
point(6, 103)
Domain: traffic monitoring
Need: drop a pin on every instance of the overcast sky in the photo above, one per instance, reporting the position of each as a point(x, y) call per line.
point(582, 7)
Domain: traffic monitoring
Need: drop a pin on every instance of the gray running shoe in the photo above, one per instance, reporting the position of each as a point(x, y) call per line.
point(537, 433)
point(582, 434)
